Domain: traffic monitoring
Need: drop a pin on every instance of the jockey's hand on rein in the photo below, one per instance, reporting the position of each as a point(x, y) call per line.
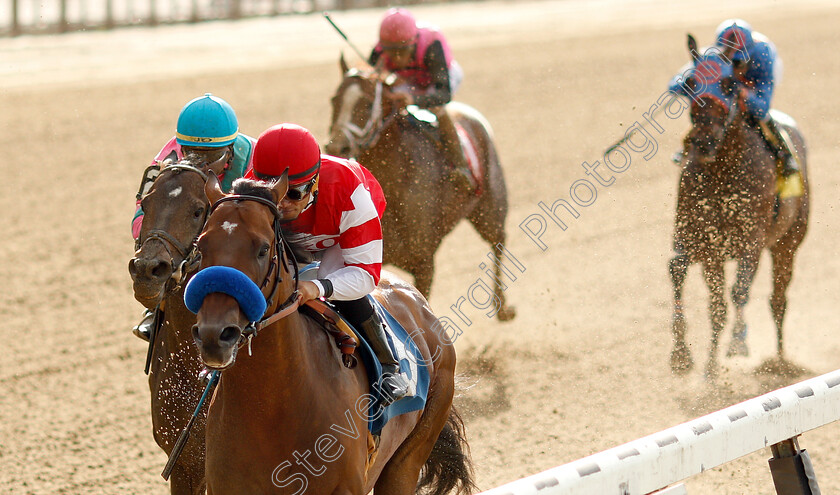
point(401, 99)
point(308, 291)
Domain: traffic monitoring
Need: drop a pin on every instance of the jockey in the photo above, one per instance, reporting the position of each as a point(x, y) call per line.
point(207, 134)
point(421, 57)
point(332, 211)
point(757, 66)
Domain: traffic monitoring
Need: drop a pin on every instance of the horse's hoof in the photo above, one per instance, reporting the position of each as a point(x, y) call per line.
point(738, 344)
point(681, 362)
point(507, 313)
point(779, 366)
point(710, 375)
point(738, 347)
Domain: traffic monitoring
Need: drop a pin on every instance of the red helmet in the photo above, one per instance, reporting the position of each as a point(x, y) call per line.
point(287, 146)
point(398, 28)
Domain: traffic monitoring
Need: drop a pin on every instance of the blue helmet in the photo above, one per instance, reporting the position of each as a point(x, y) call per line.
point(207, 121)
point(738, 35)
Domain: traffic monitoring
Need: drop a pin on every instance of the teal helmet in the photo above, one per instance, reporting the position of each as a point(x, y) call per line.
point(207, 121)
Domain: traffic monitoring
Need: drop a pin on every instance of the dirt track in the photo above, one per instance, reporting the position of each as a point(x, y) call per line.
point(584, 367)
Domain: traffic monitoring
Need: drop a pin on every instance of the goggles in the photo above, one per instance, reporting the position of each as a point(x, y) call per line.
point(296, 193)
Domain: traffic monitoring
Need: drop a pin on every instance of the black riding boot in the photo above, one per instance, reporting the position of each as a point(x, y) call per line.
point(780, 145)
point(393, 385)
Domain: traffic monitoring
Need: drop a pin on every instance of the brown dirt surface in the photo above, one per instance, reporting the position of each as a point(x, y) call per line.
point(584, 366)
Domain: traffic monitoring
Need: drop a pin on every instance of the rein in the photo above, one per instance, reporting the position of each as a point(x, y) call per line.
point(362, 138)
point(290, 305)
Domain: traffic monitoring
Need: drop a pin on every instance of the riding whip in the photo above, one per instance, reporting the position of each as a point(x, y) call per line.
point(341, 33)
point(628, 136)
point(185, 434)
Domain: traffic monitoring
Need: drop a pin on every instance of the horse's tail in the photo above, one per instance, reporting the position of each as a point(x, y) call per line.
point(449, 466)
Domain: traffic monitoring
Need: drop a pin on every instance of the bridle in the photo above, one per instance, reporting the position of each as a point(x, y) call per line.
point(282, 253)
point(362, 138)
point(190, 256)
point(731, 113)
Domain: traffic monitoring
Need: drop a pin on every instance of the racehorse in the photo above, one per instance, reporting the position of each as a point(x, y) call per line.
point(725, 210)
point(175, 210)
point(407, 160)
point(291, 394)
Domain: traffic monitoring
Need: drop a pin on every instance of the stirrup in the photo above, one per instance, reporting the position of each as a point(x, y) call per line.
point(392, 387)
point(143, 330)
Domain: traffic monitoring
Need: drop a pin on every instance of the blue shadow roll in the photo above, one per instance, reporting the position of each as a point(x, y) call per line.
point(228, 281)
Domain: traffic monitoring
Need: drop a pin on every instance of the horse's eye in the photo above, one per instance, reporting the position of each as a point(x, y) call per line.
point(263, 251)
point(199, 213)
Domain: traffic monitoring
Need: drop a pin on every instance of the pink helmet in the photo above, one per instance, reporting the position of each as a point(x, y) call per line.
point(398, 28)
point(287, 146)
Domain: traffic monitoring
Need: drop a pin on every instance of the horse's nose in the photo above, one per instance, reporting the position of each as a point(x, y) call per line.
point(149, 269)
point(209, 334)
point(216, 344)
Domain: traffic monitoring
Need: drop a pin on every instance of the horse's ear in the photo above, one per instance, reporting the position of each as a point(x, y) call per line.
point(692, 45)
point(213, 189)
point(280, 187)
point(343, 64)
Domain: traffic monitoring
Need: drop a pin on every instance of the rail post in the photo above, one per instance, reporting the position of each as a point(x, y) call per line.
point(791, 468)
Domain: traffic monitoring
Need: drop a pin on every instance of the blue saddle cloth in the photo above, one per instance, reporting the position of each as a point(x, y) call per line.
point(411, 364)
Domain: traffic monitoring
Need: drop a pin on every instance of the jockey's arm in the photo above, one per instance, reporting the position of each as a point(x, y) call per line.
point(360, 242)
point(758, 95)
point(347, 284)
point(374, 57)
point(440, 90)
point(677, 84)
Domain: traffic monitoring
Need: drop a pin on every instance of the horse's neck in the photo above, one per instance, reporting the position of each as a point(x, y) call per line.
point(276, 355)
point(176, 328)
point(743, 150)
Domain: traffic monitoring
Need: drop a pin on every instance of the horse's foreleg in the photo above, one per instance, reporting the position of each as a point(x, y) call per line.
point(747, 267)
point(186, 481)
point(782, 272)
point(505, 312)
point(681, 360)
point(714, 276)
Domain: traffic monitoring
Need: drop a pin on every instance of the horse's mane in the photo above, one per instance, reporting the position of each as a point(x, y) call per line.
point(250, 187)
point(367, 73)
point(189, 160)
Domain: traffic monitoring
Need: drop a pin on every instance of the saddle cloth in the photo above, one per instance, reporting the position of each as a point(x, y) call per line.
point(411, 365)
point(791, 186)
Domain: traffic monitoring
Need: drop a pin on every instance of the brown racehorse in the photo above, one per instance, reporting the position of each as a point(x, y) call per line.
point(423, 206)
point(289, 394)
point(725, 210)
point(175, 209)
